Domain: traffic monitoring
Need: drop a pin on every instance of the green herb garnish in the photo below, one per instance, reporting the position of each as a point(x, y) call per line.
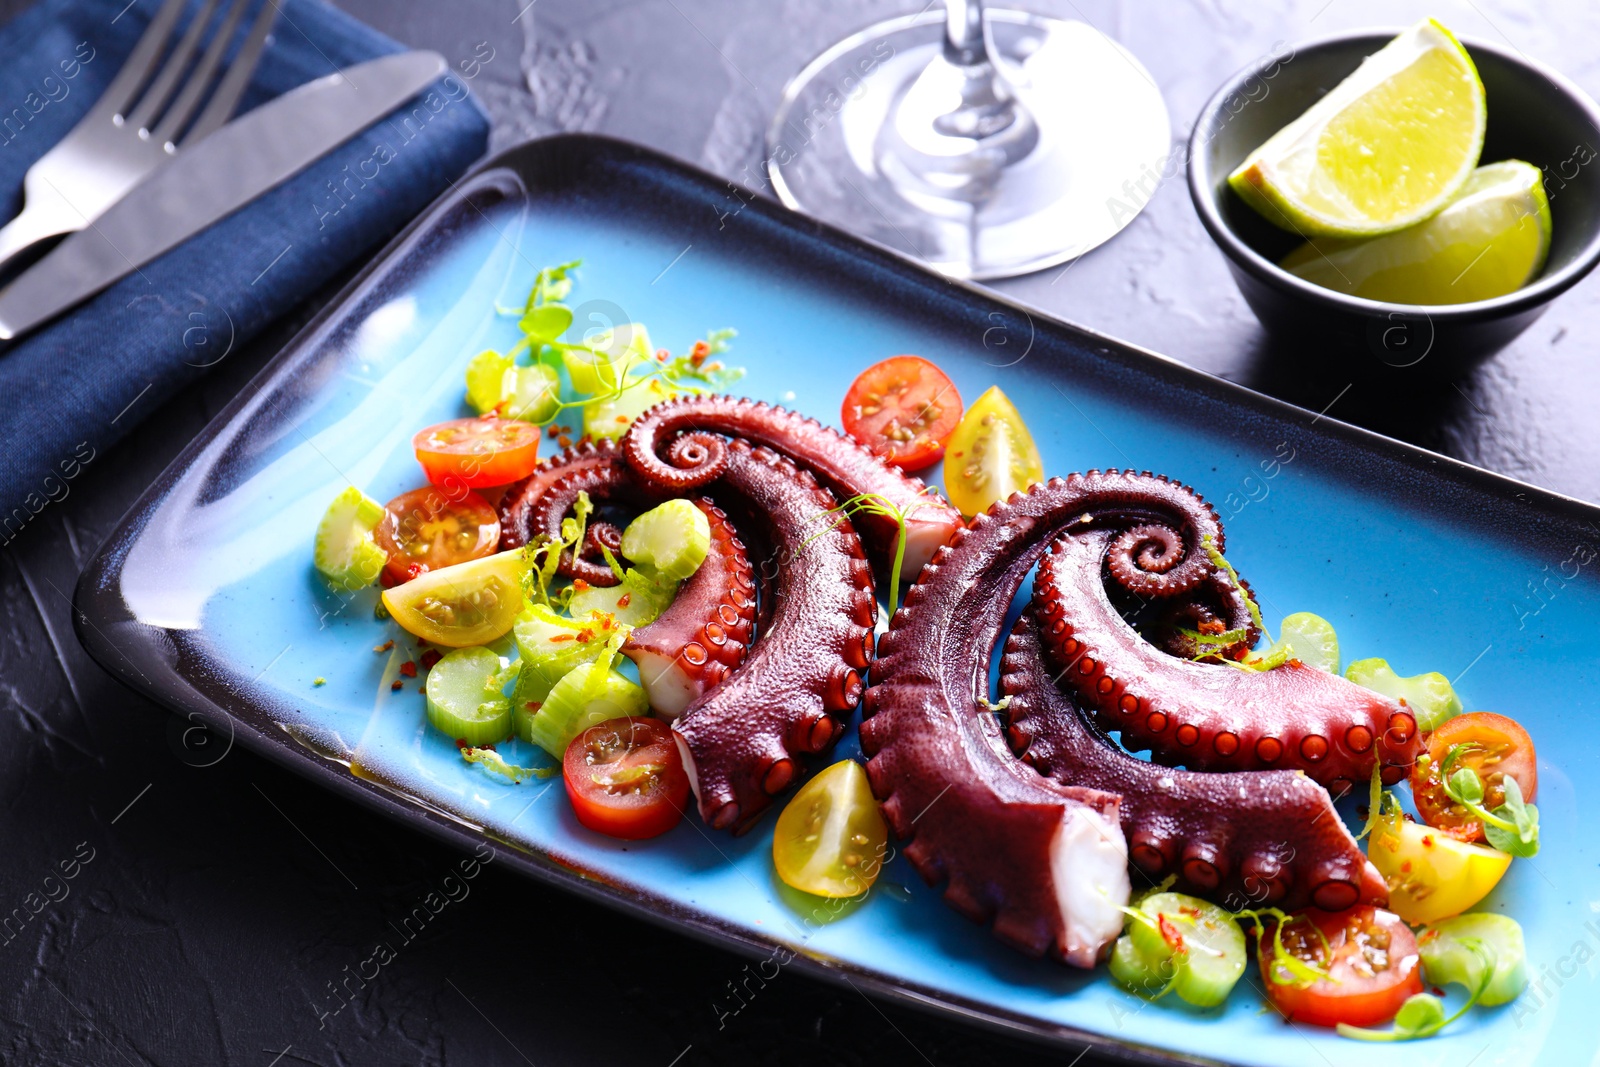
point(545, 556)
point(1422, 1015)
point(878, 504)
point(1209, 646)
point(1513, 827)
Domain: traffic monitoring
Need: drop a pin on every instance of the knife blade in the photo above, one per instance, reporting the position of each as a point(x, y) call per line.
point(250, 155)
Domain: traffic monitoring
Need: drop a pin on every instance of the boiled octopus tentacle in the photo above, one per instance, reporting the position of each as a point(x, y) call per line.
point(1204, 716)
point(1244, 838)
point(706, 631)
point(516, 506)
point(533, 508)
point(742, 741)
point(600, 537)
point(843, 466)
point(1044, 863)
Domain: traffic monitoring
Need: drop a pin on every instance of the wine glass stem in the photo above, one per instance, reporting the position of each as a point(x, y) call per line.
point(965, 44)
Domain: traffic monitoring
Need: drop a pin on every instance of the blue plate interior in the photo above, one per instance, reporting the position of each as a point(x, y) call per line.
point(205, 598)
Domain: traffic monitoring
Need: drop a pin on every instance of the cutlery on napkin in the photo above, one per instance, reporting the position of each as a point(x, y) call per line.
point(218, 176)
point(76, 386)
point(140, 120)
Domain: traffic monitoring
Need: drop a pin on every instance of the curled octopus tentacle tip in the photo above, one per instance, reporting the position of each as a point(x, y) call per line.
point(1294, 710)
point(535, 506)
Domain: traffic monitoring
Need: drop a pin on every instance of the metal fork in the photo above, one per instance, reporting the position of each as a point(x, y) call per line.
point(139, 122)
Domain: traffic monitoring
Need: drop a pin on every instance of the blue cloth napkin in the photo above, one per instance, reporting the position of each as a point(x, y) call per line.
point(75, 387)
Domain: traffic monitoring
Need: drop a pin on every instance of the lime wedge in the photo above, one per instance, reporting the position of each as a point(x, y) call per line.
point(1492, 239)
point(1386, 148)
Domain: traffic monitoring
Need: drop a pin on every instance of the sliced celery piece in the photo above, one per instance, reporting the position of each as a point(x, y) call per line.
point(603, 360)
point(1457, 950)
point(496, 382)
point(486, 374)
point(550, 645)
point(465, 697)
point(590, 693)
point(637, 600)
point(1197, 943)
point(345, 552)
point(1311, 640)
point(1430, 696)
point(612, 414)
point(671, 539)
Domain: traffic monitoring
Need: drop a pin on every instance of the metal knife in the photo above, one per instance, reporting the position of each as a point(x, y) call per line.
point(219, 175)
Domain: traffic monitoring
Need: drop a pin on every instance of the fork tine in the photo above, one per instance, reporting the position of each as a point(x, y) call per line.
point(233, 83)
point(124, 88)
point(199, 80)
point(160, 91)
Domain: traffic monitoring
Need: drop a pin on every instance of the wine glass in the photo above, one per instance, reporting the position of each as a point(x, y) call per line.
point(988, 144)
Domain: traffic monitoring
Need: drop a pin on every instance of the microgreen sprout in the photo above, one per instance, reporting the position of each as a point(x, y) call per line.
point(878, 504)
point(1422, 1015)
point(1513, 827)
point(543, 319)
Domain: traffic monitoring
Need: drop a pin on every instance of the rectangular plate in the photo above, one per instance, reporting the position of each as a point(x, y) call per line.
point(205, 599)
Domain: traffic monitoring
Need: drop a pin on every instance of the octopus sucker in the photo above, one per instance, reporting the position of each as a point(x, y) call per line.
point(1242, 838)
point(706, 631)
point(1205, 716)
point(746, 738)
point(843, 466)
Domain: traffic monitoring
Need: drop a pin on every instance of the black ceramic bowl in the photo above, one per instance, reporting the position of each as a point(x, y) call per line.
point(1534, 115)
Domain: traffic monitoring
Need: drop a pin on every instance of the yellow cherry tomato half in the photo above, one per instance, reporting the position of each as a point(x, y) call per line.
point(990, 456)
point(831, 838)
point(1431, 875)
point(465, 604)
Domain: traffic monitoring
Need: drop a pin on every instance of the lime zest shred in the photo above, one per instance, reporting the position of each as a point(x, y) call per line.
point(1287, 968)
point(495, 764)
point(1375, 799)
point(544, 556)
point(1221, 563)
point(1274, 658)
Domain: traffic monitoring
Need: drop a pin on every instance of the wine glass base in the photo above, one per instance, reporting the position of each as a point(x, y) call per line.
point(1104, 138)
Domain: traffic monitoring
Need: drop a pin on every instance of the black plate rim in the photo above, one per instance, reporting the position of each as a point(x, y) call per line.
point(98, 608)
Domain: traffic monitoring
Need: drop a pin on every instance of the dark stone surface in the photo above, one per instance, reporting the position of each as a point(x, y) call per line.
point(222, 901)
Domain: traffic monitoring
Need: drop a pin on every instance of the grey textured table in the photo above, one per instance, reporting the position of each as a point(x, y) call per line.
point(206, 928)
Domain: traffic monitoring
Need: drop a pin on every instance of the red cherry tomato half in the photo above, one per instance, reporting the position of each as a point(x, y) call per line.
point(1492, 745)
point(903, 409)
point(1368, 954)
point(626, 779)
point(430, 528)
point(477, 453)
